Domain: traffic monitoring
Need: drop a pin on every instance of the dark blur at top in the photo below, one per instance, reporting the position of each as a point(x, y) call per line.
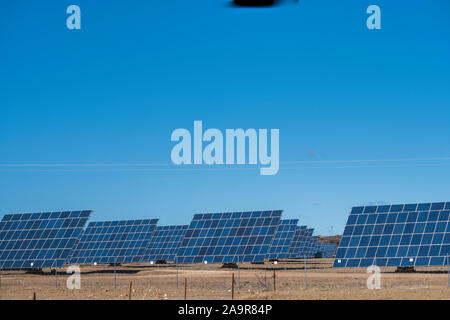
point(256, 3)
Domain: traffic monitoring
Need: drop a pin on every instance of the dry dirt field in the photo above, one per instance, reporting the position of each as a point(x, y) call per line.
point(214, 282)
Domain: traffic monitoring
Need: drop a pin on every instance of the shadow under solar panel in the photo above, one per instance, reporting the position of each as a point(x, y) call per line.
point(396, 235)
point(39, 240)
point(229, 237)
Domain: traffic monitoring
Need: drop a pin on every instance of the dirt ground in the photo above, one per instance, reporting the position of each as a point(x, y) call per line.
point(215, 282)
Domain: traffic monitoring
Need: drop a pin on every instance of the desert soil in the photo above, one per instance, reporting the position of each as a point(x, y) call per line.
point(214, 282)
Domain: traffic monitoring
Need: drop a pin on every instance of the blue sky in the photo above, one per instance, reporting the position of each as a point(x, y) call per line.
point(112, 93)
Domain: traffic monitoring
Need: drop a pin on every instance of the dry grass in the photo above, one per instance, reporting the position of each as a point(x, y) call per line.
point(214, 282)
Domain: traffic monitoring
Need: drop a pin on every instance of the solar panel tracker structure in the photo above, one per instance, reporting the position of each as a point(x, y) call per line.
point(306, 244)
point(313, 247)
point(114, 242)
point(296, 243)
point(396, 235)
point(229, 237)
point(39, 240)
point(279, 248)
point(327, 250)
point(164, 243)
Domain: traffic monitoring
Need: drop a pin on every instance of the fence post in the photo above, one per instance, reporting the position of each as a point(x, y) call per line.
point(239, 278)
point(115, 280)
point(232, 286)
point(131, 285)
point(274, 280)
point(306, 279)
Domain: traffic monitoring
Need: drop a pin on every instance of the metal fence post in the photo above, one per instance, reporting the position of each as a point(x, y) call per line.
point(274, 280)
point(232, 286)
point(239, 277)
point(306, 277)
point(115, 276)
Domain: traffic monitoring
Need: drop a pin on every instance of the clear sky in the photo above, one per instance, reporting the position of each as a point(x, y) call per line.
point(80, 109)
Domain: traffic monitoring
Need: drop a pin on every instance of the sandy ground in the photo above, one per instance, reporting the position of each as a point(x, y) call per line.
point(214, 282)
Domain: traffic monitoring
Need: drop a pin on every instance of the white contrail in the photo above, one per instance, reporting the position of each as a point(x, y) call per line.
point(4, 165)
point(222, 168)
point(370, 160)
point(131, 165)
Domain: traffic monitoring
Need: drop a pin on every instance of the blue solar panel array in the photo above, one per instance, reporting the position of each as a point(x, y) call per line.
point(229, 237)
point(396, 235)
point(39, 240)
point(52, 239)
point(313, 247)
point(306, 244)
point(279, 248)
point(165, 242)
point(327, 250)
point(114, 241)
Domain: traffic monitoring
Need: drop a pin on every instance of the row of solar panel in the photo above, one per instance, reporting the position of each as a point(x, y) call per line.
point(402, 208)
point(392, 262)
point(395, 217)
point(39, 240)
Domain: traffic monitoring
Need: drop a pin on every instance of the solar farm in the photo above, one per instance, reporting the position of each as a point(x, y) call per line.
point(239, 255)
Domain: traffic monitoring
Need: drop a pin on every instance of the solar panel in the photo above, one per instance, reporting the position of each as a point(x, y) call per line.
point(327, 250)
point(39, 240)
point(313, 247)
point(281, 242)
point(164, 243)
point(114, 241)
point(306, 244)
point(229, 237)
point(77, 241)
point(296, 243)
point(396, 235)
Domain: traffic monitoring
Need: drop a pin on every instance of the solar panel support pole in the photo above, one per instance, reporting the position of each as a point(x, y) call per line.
point(56, 278)
point(448, 272)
